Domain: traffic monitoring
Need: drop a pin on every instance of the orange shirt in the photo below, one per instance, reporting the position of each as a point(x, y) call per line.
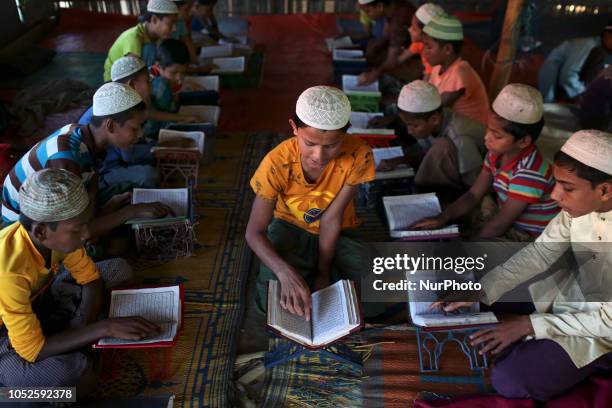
point(474, 103)
point(280, 178)
point(417, 48)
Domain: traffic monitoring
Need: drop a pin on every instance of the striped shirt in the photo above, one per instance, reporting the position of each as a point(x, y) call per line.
point(527, 178)
point(71, 147)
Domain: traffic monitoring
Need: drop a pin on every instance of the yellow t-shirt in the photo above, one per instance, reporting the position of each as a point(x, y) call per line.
point(22, 275)
point(280, 178)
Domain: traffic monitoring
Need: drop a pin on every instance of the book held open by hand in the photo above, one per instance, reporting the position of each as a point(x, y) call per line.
point(160, 305)
point(179, 199)
point(335, 314)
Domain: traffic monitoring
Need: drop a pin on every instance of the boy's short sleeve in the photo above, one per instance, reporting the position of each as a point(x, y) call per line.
point(363, 167)
point(527, 186)
point(81, 267)
point(457, 80)
point(268, 181)
point(162, 97)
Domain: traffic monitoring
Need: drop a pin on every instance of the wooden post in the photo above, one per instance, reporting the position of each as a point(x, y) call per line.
point(507, 48)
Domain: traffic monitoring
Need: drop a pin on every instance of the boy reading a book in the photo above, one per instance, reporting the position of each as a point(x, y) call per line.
point(569, 338)
point(51, 292)
point(424, 14)
point(383, 52)
point(303, 212)
point(459, 85)
point(514, 167)
point(118, 112)
point(450, 157)
point(158, 23)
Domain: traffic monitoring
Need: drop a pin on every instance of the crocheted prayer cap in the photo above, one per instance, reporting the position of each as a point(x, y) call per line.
point(51, 195)
point(323, 107)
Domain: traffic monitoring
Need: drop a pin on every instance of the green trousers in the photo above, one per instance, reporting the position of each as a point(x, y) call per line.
point(300, 249)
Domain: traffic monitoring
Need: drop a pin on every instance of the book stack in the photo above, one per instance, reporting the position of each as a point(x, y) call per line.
point(403, 211)
point(364, 98)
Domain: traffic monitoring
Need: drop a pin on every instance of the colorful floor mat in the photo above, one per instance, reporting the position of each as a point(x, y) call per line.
point(198, 369)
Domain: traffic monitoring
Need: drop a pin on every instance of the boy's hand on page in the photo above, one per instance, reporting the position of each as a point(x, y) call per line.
point(430, 222)
point(496, 339)
point(151, 210)
point(380, 122)
point(116, 202)
point(130, 328)
point(295, 295)
point(367, 78)
point(389, 164)
point(449, 306)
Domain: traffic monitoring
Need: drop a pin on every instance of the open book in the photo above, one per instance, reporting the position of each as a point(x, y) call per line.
point(200, 83)
point(350, 84)
point(348, 55)
point(161, 305)
point(207, 113)
point(403, 211)
point(386, 153)
point(233, 65)
point(341, 42)
point(422, 315)
point(335, 314)
point(216, 51)
point(359, 124)
point(176, 139)
point(179, 199)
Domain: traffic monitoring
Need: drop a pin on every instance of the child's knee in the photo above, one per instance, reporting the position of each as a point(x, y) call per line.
point(115, 272)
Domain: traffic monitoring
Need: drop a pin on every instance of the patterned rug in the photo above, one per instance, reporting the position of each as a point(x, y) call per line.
point(199, 368)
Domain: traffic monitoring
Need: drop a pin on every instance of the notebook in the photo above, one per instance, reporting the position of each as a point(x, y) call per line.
point(207, 113)
point(176, 139)
point(402, 211)
point(422, 315)
point(160, 305)
point(233, 65)
point(200, 83)
point(385, 153)
point(335, 314)
point(179, 199)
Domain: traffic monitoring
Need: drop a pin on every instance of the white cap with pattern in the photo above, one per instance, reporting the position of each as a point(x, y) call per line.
point(591, 147)
point(419, 97)
point(114, 97)
point(126, 66)
point(428, 11)
point(323, 107)
point(162, 7)
point(52, 195)
point(519, 103)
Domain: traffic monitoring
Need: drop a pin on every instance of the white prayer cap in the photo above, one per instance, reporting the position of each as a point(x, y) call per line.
point(323, 107)
point(126, 66)
point(519, 103)
point(419, 97)
point(364, 2)
point(162, 7)
point(51, 195)
point(114, 97)
point(428, 11)
point(444, 27)
point(591, 147)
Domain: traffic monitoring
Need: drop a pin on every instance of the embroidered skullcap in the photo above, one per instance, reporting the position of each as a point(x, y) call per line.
point(323, 107)
point(419, 97)
point(126, 66)
point(519, 103)
point(114, 97)
point(162, 7)
point(364, 2)
point(51, 195)
point(444, 27)
point(428, 11)
point(591, 147)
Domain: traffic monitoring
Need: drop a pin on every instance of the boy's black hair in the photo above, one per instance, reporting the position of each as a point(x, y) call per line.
point(421, 115)
point(300, 124)
point(455, 45)
point(206, 3)
point(581, 170)
point(171, 51)
point(120, 117)
point(147, 16)
point(520, 130)
point(28, 223)
point(135, 75)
